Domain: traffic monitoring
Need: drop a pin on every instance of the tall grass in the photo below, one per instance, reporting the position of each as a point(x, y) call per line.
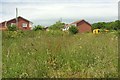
point(55, 54)
point(0, 54)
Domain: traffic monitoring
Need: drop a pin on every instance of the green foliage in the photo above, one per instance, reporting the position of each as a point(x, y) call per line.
point(12, 27)
point(109, 25)
point(73, 29)
point(38, 27)
point(57, 26)
point(55, 32)
point(98, 25)
point(117, 25)
point(13, 34)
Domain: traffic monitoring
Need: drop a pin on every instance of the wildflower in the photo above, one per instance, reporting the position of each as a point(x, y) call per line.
point(8, 53)
point(48, 52)
point(18, 53)
point(15, 72)
point(28, 53)
point(112, 39)
point(15, 32)
point(32, 53)
point(10, 68)
point(23, 75)
point(80, 38)
point(80, 47)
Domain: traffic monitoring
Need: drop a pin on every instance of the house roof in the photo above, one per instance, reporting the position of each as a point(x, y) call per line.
point(15, 18)
point(23, 18)
point(3, 22)
point(79, 21)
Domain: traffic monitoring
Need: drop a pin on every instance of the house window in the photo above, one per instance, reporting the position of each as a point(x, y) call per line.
point(24, 25)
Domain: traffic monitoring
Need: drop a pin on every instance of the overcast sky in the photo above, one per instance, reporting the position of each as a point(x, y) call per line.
point(47, 12)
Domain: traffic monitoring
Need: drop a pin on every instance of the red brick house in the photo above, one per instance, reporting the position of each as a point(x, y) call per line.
point(82, 25)
point(22, 23)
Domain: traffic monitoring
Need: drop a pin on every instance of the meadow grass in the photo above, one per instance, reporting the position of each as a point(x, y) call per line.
point(55, 54)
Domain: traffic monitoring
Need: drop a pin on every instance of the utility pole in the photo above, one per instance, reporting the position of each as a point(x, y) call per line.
point(16, 17)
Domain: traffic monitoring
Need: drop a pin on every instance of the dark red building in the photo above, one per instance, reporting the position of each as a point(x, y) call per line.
point(20, 22)
point(82, 26)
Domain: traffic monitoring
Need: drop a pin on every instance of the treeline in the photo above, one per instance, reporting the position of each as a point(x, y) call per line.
point(56, 26)
point(115, 25)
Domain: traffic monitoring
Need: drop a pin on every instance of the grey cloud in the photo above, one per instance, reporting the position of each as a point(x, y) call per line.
point(47, 12)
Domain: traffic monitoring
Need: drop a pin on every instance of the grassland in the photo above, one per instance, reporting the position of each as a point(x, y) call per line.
point(40, 54)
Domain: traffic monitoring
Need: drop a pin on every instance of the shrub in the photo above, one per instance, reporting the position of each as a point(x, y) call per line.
point(55, 33)
point(38, 27)
point(20, 33)
point(57, 26)
point(12, 27)
point(73, 29)
point(14, 34)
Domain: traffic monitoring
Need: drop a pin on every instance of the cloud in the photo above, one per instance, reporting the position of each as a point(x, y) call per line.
point(42, 12)
point(60, 1)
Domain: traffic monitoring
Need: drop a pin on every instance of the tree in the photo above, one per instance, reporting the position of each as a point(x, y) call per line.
point(98, 25)
point(38, 27)
point(73, 29)
point(117, 24)
point(109, 25)
point(12, 27)
point(58, 25)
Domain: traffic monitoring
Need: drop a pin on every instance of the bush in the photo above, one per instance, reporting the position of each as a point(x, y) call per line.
point(12, 27)
point(55, 33)
point(38, 27)
point(13, 34)
point(73, 29)
point(57, 26)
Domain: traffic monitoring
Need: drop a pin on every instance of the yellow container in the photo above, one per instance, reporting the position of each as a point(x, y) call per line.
point(96, 31)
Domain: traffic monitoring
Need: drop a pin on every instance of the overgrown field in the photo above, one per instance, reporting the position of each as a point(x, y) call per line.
point(40, 54)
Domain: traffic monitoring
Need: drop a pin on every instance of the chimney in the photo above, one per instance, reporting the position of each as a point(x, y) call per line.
point(16, 17)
